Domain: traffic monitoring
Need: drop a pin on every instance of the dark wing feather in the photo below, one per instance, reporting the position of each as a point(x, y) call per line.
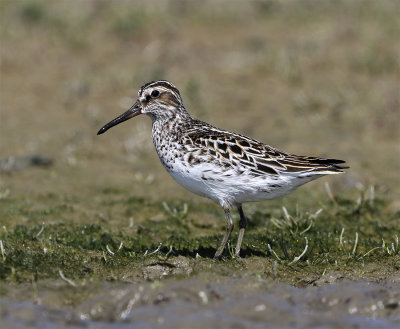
point(259, 158)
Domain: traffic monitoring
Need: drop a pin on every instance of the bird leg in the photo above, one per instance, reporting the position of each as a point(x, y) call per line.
point(242, 227)
point(229, 228)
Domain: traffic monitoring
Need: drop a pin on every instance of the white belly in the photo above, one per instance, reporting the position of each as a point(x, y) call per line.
point(227, 188)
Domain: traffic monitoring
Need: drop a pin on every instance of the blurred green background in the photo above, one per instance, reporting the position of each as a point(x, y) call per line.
point(308, 77)
point(81, 213)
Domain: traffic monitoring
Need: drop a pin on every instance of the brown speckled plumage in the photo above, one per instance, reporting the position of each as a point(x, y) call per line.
point(226, 167)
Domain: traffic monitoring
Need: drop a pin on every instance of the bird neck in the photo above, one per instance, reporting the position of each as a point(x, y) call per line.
point(168, 119)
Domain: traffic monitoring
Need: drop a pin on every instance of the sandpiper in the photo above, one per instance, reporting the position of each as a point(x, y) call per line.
point(226, 167)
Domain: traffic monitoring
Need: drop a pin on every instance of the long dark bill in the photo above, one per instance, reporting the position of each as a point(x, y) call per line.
point(132, 112)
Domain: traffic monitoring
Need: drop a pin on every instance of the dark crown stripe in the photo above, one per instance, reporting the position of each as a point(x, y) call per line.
point(161, 83)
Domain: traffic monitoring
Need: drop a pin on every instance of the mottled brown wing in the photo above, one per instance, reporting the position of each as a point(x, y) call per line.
point(257, 157)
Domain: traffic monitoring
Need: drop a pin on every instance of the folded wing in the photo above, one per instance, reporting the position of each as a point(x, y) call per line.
point(258, 159)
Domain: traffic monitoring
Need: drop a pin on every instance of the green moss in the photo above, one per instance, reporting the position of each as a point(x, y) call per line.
point(345, 236)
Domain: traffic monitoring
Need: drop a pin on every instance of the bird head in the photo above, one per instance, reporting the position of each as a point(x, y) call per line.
point(157, 99)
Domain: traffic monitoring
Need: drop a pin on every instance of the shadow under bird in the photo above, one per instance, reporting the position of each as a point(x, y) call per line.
point(226, 167)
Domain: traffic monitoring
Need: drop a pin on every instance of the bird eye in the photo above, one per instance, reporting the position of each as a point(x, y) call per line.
point(155, 93)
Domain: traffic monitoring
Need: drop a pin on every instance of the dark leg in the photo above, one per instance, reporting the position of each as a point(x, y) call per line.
point(229, 228)
point(242, 227)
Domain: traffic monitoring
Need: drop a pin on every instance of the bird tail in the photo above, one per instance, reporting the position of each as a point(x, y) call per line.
point(327, 166)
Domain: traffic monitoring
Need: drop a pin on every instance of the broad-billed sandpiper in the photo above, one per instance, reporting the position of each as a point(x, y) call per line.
point(228, 168)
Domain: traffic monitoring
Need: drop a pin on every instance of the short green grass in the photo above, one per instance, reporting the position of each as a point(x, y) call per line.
point(355, 236)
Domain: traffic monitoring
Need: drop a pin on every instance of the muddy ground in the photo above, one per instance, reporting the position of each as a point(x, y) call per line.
point(94, 233)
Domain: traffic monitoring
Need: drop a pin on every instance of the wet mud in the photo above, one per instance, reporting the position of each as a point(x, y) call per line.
point(205, 300)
